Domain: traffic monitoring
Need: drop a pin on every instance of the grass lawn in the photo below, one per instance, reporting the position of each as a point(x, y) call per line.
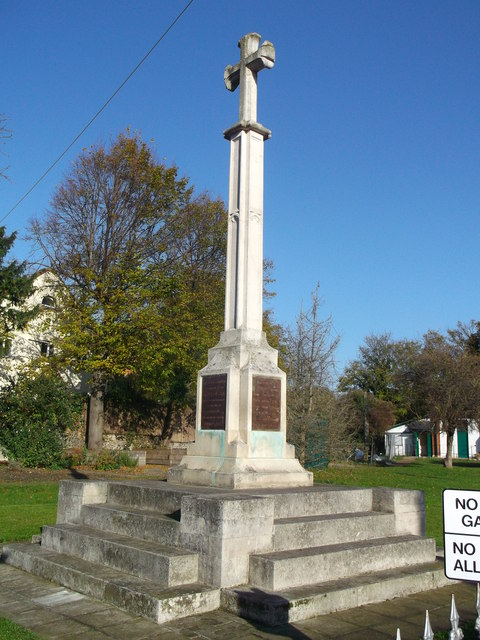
point(11, 631)
point(427, 474)
point(25, 507)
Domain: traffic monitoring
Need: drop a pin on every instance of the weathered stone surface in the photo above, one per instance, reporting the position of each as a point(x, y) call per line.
point(407, 506)
point(225, 530)
point(308, 531)
point(136, 595)
point(138, 523)
point(285, 541)
point(283, 569)
point(73, 494)
point(291, 605)
point(168, 566)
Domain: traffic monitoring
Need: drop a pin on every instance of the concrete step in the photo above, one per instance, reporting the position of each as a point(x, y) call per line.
point(153, 496)
point(290, 605)
point(135, 595)
point(128, 521)
point(315, 501)
point(165, 565)
point(295, 568)
point(314, 531)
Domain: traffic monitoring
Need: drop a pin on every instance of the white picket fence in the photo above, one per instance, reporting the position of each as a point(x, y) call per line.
point(455, 633)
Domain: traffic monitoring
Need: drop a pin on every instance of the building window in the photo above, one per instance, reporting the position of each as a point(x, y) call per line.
point(46, 349)
point(48, 301)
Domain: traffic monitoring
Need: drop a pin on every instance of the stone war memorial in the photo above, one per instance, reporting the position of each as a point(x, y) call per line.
point(240, 437)
point(239, 524)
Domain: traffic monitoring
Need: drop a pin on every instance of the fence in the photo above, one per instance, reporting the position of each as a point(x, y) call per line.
point(455, 633)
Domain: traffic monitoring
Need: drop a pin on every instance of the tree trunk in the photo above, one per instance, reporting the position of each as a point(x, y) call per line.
point(96, 415)
point(448, 462)
point(302, 447)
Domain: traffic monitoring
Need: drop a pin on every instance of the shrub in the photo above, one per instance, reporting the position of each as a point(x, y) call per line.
point(76, 457)
point(107, 460)
point(126, 460)
point(34, 414)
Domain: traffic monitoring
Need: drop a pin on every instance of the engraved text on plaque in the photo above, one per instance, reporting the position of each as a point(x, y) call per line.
point(266, 404)
point(214, 401)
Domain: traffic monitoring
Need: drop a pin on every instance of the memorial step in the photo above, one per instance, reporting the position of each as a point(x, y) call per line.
point(312, 531)
point(152, 495)
point(165, 565)
point(128, 521)
point(294, 568)
point(300, 603)
point(310, 501)
point(136, 595)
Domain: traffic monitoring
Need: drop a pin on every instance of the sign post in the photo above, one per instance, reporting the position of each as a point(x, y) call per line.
point(461, 534)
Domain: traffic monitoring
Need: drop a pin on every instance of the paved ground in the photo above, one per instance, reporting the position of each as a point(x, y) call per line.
point(56, 613)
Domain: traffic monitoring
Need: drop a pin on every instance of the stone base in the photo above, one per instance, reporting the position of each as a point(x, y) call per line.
point(240, 473)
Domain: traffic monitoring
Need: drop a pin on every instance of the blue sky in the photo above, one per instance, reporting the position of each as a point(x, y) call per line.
point(371, 176)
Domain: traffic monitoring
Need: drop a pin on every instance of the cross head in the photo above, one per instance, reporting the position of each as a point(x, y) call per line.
point(253, 58)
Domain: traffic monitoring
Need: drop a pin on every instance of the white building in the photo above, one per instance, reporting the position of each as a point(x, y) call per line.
point(422, 438)
point(38, 338)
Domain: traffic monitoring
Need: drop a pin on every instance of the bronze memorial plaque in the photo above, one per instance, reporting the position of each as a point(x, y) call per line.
point(266, 404)
point(214, 402)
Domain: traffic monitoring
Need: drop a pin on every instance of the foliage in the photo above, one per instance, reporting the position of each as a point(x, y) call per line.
point(468, 628)
point(34, 415)
point(15, 287)
point(141, 261)
point(314, 423)
point(107, 460)
point(445, 382)
point(12, 631)
point(124, 459)
point(438, 378)
point(128, 408)
point(425, 474)
point(76, 457)
point(367, 417)
point(25, 508)
point(380, 369)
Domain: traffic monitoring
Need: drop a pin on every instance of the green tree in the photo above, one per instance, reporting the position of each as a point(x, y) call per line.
point(15, 287)
point(140, 261)
point(445, 383)
point(380, 369)
point(35, 412)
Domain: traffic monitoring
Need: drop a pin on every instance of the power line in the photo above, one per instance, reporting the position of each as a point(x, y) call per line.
point(102, 108)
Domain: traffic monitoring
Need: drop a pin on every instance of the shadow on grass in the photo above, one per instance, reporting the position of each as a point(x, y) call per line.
point(78, 475)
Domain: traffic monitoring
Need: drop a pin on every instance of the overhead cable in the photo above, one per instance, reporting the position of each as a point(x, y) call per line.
point(102, 108)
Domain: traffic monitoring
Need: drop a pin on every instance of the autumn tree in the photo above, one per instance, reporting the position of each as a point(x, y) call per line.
point(314, 423)
point(15, 287)
point(140, 261)
point(379, 371)
point(445, 382)
point(368, 417)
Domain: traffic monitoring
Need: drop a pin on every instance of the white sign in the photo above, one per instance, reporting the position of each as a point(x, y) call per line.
point(461, 534)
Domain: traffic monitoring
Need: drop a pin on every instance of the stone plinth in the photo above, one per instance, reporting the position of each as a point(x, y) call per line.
point(247, 446)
